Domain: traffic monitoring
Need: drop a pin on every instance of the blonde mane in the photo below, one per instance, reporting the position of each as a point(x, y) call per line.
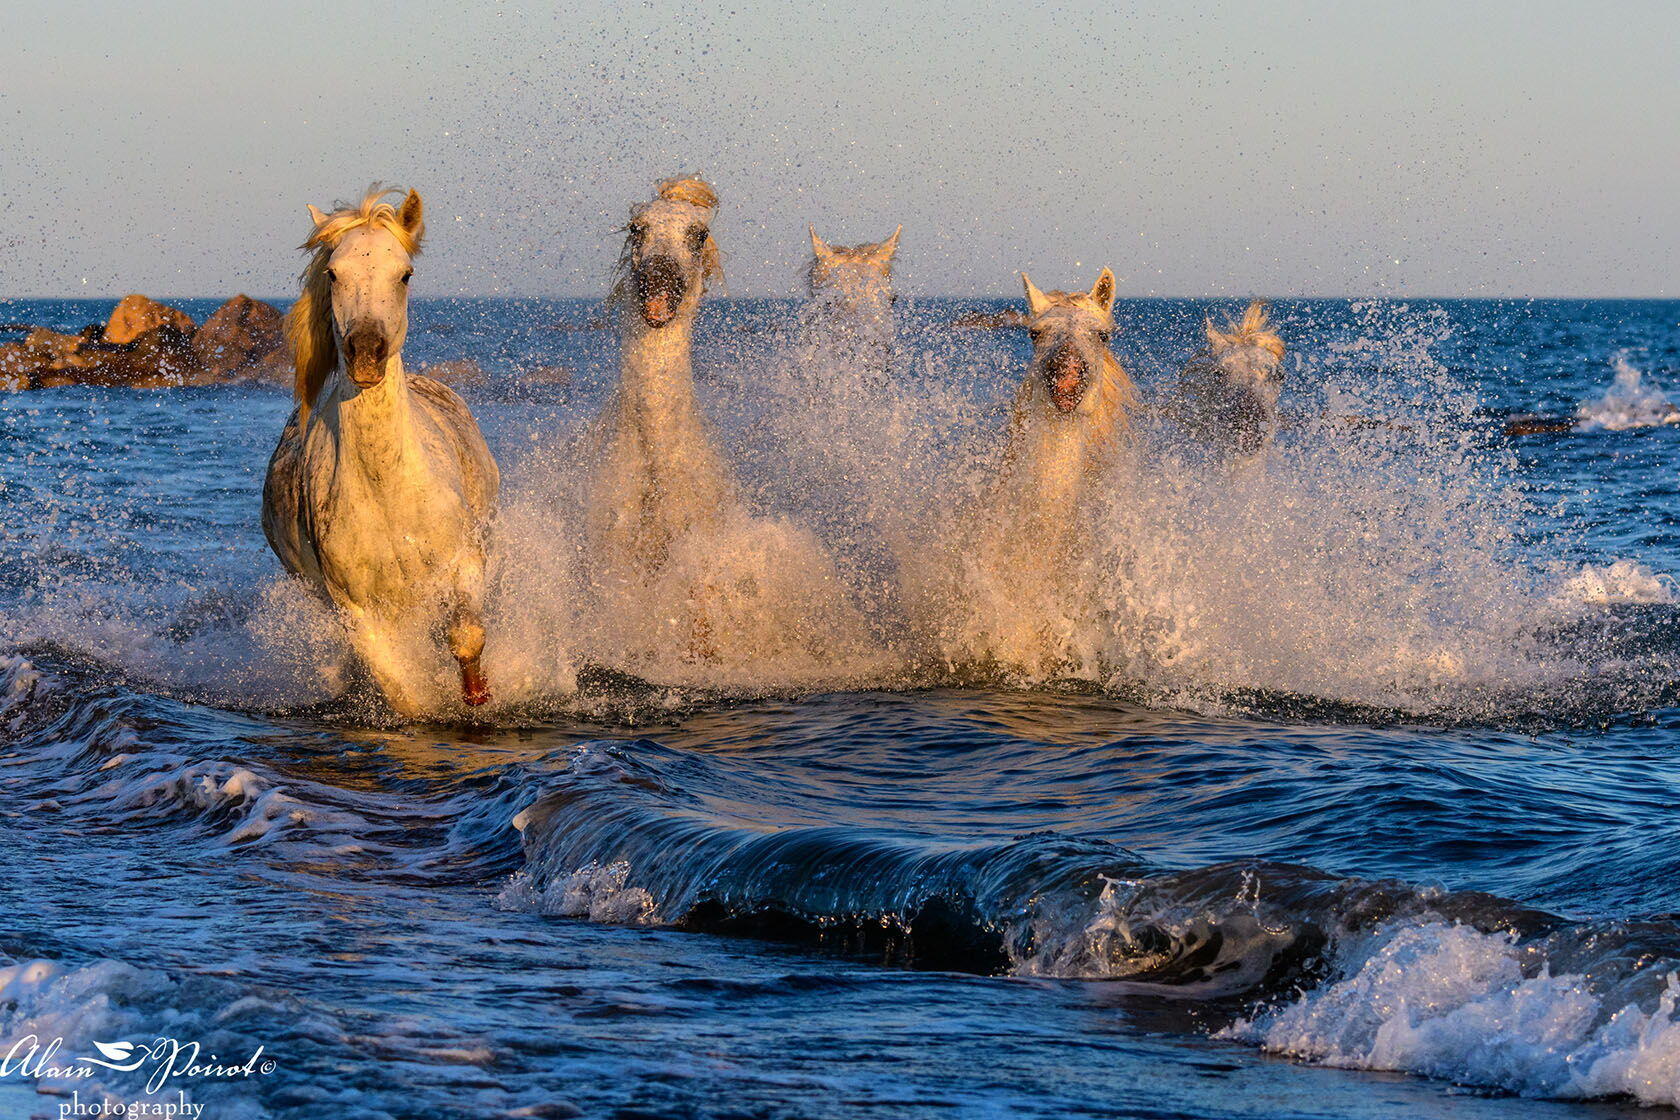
point(695, 192)
point(308, 324)
point(1253, 329)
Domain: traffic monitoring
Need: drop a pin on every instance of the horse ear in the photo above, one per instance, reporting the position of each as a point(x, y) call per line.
point(818, 245)
point(315, 215)
point(413, 215)
point(890, 246)
point(1103, 290)
point(1215, 337)
point(1036, 301)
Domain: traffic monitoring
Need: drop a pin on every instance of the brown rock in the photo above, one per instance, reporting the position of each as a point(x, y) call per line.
point(14, 368)
point(43, 354)
point(241, 339)
point(160, 358)
point(134, 315)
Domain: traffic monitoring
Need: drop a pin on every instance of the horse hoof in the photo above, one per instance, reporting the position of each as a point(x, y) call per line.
point(475, 690)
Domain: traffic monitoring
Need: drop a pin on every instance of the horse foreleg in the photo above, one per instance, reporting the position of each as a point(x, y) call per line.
point(377, 647)
point(466, 633)
point(466, 642)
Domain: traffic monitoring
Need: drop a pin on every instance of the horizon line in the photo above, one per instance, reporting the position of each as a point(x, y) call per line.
point(601, 298)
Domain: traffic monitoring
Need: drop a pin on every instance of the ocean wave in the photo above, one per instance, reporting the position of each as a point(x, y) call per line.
point(1367, 973)
point(100, 754)
point(108, 1001)
point(1618, 583)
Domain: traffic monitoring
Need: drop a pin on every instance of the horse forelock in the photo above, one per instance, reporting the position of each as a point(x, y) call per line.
point(1077, 301)
point(690, 192)
point(308, 323)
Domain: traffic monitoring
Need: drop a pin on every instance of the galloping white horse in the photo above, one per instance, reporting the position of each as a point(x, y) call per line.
point(658, 475)
point(676, 562)
point(381, 492)
point(857, 278)
point(1070, 411)
point(846, 329)
point(1021, 547)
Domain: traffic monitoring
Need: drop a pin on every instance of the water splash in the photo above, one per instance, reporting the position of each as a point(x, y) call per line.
point(1378, 553)
point(1468, 1006)
point(1629, 401)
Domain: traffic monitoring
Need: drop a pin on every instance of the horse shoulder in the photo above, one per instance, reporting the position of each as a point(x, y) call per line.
point(480, 477)
point(282, 502)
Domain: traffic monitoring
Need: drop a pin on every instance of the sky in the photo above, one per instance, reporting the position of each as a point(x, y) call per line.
point(1198, 149)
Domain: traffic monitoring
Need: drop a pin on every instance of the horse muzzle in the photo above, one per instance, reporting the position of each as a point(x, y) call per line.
point(365, 351)
point(660, 288)
point(1066, 377)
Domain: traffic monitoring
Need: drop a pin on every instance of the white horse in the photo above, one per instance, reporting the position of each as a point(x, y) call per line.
point(855, 278)
point(675, 561)
point(846, 328)
point(657, 474)
point(1020, 547)
point(1226, 398)
point(381, 492)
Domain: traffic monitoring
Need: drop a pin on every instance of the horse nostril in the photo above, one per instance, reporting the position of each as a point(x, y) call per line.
point(660, 286)
point(1065, 374)
point(364, 341)
point(660, 276)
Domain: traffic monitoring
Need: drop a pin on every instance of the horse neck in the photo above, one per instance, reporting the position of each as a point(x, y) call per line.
point(1046, 460)
point(656, 370)
point(373, 429)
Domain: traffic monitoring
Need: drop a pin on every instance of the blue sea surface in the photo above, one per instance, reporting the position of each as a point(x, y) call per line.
point(1369, 814)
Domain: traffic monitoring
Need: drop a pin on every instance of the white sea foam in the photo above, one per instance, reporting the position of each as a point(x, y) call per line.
point(1620, 582)
point(112, 1001)
point(1630, 401)
point(599, 893)
point(1450, 1002)
point(1372, 555)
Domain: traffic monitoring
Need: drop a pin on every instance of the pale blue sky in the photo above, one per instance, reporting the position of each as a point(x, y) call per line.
point(1224, 149)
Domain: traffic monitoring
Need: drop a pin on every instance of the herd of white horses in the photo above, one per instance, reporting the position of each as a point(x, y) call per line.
point(382, 492)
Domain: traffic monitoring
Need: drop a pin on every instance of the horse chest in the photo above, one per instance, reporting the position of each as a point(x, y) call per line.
point(382, 538)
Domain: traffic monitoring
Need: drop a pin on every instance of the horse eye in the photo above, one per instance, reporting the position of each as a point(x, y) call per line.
point(407, 276)
point(697, 235)
point(332, 277)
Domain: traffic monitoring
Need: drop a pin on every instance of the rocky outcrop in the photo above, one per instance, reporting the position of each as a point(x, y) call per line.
point(43, 353)
point(242, 340)
point(149, 345)
point(135, 315)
